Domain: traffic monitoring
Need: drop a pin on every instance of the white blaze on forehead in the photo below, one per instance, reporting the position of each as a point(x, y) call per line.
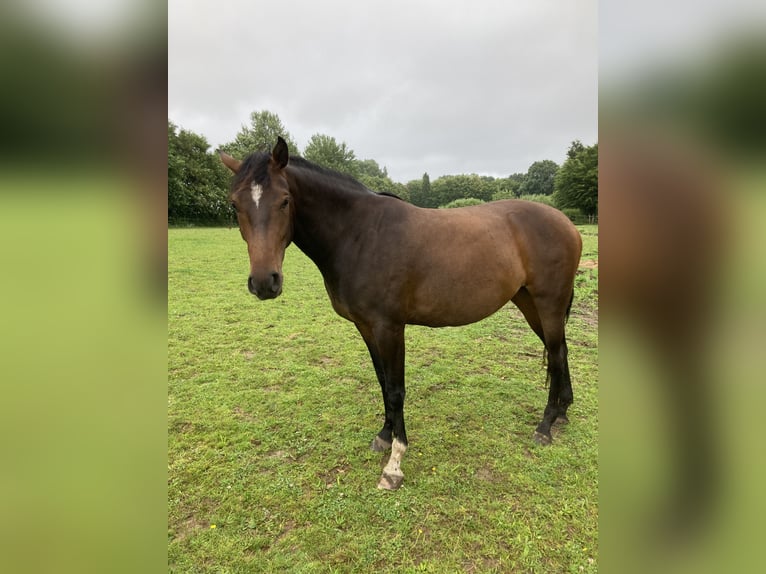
point(256, 191)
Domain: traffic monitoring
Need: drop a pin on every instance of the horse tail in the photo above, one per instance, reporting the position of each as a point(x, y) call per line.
point(569, 307)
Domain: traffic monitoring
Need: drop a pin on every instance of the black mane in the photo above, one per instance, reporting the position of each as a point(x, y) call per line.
point(334, 177)
point(326, 173)
point(255, 168)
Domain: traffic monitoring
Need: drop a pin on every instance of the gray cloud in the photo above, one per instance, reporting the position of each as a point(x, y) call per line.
point(443, 87)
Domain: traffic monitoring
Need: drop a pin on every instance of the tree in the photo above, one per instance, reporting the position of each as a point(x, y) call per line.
point(539, 178)
point(402, 191)
point(577, 181)
point(575, 149)
point(325, 151)
point(420, 191)
point(370, 167)
point(508, 187)
point(451, 187)
point(385, 185)
point(197, 181)
point(426, 185)
point(414, 189)
point(260, 135)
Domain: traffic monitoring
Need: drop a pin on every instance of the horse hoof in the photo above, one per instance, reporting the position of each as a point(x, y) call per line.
point(390, 481)
point(380, 445)
point(561, 421)
point(542, 439)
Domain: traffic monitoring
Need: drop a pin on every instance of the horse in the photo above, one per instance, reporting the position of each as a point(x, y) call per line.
point(387, 264)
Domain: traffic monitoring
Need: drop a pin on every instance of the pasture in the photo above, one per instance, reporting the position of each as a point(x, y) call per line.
point(272, 406)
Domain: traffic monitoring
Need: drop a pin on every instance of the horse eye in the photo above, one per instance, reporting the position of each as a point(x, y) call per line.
point(285, 203)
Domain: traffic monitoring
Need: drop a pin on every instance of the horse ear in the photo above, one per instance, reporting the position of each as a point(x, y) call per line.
point(280, 154)
point(230, 162)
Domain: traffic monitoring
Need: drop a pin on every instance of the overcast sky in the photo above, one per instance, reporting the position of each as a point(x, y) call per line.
point(444, 87)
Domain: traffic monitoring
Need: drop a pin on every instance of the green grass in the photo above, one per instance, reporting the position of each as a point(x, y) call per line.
point(272, 407)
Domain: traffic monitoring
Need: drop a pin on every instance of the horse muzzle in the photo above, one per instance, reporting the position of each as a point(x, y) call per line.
point(266, 287)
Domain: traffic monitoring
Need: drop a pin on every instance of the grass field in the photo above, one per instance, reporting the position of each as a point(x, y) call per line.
point(272, 407)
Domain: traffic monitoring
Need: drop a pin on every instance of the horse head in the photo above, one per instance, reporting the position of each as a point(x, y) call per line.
point(261, 197)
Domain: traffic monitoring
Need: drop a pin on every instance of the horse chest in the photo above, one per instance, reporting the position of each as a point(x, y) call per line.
point(359, 302)
point(339, 303)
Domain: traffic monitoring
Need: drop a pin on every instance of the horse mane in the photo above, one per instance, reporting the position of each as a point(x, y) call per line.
point(255, 167)
point(351, 182)
point(327, 173)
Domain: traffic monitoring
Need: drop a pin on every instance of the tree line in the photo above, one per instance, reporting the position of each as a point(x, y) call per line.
point(198, 184)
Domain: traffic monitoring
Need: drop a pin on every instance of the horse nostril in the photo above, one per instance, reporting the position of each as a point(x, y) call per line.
point(266, 286)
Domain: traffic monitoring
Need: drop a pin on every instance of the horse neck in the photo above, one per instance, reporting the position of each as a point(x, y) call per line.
point(324, 210)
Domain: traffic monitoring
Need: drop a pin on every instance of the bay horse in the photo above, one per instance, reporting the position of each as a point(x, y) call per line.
point(387, 264)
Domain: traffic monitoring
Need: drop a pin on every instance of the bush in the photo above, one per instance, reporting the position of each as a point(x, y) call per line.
point(503, 194)
point(575, 215)
point(462, 202)
point(539, 198)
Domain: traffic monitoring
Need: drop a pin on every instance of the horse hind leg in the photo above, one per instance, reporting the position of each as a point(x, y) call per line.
point(523, 300)
point(559, 393)
point(566, 396)
point(547, 318)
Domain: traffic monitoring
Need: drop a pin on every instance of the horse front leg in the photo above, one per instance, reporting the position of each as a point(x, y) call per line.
point(386, 345)
point(382, 441)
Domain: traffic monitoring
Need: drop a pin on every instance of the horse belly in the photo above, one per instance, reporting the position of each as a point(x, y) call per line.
point(459, 295)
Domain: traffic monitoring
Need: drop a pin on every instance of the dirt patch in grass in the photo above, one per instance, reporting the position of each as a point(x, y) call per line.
point(331, 477)
point(326, 361)
point(242, 414)
point(192, 524)
point(590, 317)
point(487, 474)
point(280, 454)
point(187, 527)
point(482, 565)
